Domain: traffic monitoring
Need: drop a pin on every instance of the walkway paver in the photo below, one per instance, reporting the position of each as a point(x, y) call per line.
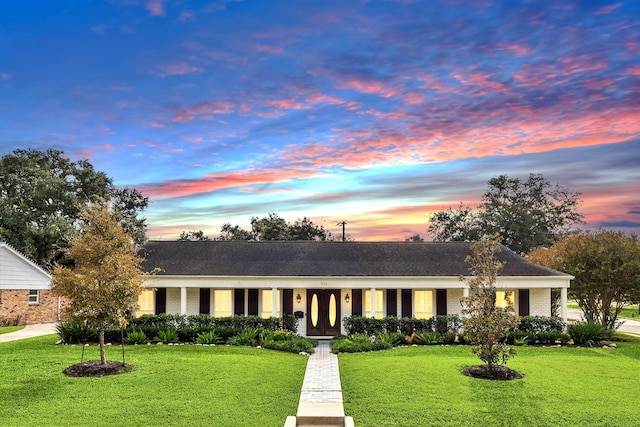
point(321, 396)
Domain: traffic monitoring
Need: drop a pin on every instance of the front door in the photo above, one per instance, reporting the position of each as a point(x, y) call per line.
point(323, 312)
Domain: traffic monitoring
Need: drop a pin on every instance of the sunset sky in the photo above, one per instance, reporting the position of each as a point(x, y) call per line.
point(376, 113)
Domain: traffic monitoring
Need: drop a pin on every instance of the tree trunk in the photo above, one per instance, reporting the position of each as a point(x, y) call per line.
point(103, 360)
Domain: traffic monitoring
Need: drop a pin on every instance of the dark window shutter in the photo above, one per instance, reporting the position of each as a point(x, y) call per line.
point(238, 302)
point(407, 303)
point(161, 300)
point(287, 301)
point(253, 302)
point(441, 302)
point(392, 302)
point(356, 302)
point(205, 301)
point(523, 302)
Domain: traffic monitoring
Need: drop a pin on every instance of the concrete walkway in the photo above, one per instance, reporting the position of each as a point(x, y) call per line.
point(629, 326)
point(29, 331)
point(321, 396)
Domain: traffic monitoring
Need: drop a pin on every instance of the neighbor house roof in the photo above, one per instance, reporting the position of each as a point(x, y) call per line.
point(323, 259)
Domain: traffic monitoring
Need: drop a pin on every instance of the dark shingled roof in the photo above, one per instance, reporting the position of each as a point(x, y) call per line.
point(310, 258)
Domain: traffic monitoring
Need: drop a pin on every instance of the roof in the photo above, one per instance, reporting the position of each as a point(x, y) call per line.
point(323, 259)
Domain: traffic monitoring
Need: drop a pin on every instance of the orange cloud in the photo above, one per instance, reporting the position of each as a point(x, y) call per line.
point(203, 111)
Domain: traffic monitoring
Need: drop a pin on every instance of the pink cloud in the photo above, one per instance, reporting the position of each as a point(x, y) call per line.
point(607, 9)
point(203, 111)
point(5, 77)
point(156, 7)
point(268, 49)
point(368, 86)
point(178, 69)
point(186, 15)
point(634, 71)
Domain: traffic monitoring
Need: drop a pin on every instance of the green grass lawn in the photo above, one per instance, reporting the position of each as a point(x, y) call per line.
point(7, 329)
point(422, 386)
point(170, 385)
point(629, 312)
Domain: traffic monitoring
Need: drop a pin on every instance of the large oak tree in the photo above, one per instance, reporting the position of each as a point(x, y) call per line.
point(525, 214)
point(42, 194)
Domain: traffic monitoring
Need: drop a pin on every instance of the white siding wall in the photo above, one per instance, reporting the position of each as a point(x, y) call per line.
point(301, 306)
point(540, 302)
point(19, 273)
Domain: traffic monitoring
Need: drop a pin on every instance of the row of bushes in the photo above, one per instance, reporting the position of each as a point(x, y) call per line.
point(11, 321)
point(200, 329)
point(405, 325)
point(362, 342)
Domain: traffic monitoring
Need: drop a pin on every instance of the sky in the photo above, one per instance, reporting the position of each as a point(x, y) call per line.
point(377, 113)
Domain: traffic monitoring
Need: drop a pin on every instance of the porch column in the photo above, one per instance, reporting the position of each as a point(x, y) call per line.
point(372, 311)
point(274, 302)
point(183, 300)
point(563, 304)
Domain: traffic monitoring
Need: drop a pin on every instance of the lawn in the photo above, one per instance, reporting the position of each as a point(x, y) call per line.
point(7, 329)
point(169, 385)
point(629, 312)
point(422, 386)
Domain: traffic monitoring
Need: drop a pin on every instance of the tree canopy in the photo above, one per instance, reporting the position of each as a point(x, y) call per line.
point(525, 214)
point(42, 195)
point(270, 227)
point(105, 281)
point(606, 266)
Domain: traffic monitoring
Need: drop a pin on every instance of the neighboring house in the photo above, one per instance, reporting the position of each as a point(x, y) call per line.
point(323, 282)
point(25, 290)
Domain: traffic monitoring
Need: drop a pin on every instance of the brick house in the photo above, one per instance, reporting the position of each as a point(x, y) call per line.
point(25, 290)
point(323, 282)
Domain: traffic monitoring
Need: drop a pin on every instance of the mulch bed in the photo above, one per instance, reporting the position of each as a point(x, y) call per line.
point(95, 368)
point(500, 373)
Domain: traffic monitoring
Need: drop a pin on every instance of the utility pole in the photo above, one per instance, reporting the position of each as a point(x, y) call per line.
point(343, 223)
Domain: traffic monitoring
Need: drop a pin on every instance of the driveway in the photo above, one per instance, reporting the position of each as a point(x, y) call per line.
point(29, 331)
point(629, 326)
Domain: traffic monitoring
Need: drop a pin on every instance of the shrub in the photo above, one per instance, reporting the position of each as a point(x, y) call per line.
point(358, 343)
point(426, 338)
point(209, 337)
point(76, 333)
point(290, 344)
point(537, 324)
point(587, 333)
point(448, 337)
point(393, 338)
point(167, 336)
point(248, 337)
point(11, 321)
point(136, 337)
point(552, 337)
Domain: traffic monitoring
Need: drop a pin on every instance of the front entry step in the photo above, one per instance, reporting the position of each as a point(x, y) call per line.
point(319, 422)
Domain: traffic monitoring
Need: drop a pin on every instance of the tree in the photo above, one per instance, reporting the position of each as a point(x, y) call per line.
point(191, 236)
point(273, 227)
point(105, 281)
point(606, 266)
point(415, 238)
point(42, 195)
point(234, 232)
point(486, 325)
point(525, 214)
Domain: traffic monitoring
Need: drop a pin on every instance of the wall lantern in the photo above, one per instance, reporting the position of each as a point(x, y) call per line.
point(298, 298)
point(346, 298)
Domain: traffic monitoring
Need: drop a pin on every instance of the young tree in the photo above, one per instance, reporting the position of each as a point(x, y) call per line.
point(486, 325)
point(42, 195)
point(524, 214)
point(606, 266)
point(105, 281)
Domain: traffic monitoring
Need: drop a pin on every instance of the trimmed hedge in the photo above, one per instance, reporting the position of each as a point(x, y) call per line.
point(406, 325)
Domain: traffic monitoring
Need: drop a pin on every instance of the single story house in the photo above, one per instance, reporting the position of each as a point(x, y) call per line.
point(323, 282)
point(25, 290)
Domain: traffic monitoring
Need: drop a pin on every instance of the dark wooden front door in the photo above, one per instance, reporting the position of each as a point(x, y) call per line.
point(323, 312)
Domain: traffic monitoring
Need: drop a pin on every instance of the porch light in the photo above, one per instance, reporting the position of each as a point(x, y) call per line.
point(346, 298)
point(298, 298)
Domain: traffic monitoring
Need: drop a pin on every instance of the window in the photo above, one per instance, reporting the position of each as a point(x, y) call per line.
point(267, 308)
point(379, 313)
point(146, 303)
point(222, 306)
point(33, 296)
point(423, 304)
point(504, 299)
